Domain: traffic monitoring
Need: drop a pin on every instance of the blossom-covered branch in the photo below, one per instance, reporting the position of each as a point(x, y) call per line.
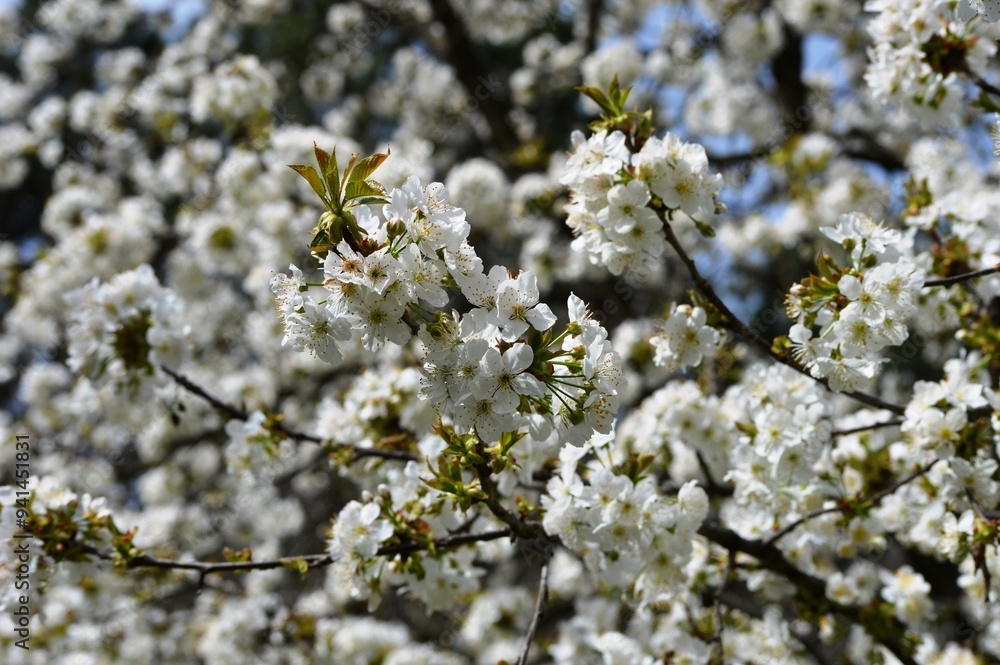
point(301, 563)
point(278, 427)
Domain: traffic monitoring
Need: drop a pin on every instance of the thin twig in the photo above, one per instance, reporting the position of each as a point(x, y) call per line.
point(874, 501)
point(957, 279)
point(543, 597)
point(717, 638)
point(983, 84)
point(791, 526)
point(240, 414)
point(214, 401)
point(865, 428)
point(520, 528)
point(311, 560)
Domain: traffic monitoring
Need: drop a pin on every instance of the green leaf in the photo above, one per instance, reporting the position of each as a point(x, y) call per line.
point(599, 98)
point(612, 102)
point(364, 168)
point(348, 169)
point(331, 174)
point(322, 158)
point(357, 189)
point(369, 200)
point(312, 177)
point(828, 268)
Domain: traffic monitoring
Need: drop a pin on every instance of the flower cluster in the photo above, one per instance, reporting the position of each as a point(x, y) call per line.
point(627, 533)
point(254, 451)
point(683, 339)
point(612, 210)
point(57, 516)
point(358, 530)
point(128, 327)
point(861, 309)
point(784, 422)
point(492, 370)
point(937, 413)
point(918, 53)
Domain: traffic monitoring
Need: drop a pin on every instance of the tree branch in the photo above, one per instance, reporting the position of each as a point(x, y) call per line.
point(865, 428)
point(239, 414)
point(874, 501)
point(460, 52)
point(771, 558)
point(312, 560)
point(594, 8)
point(521, 529)
point(983, 84)
point(957, 279)
point(734, 324)
point(543, 596)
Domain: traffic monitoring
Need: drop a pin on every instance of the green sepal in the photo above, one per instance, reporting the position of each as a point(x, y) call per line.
point(704, 229)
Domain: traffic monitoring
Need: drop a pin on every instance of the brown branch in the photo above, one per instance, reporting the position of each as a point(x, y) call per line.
point(983, 84)
point(771, 558)
point(874, 501)
point(957, 279)
point(735, 325)
point(312, 560)
point(239, 414)
point(717, 602)
point(865, 428)
point(543, 596)
point(215, 402)
point(594, 8)
point(859, 144)
point(791, 526)
point(520, 528)
point(791, 93)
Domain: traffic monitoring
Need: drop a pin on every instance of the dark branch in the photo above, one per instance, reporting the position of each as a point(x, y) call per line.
point(520, 528)
point(958, 279)
point(312, 560)
point(983, 84)
point(543, 596)
point(461, 54)
point(874, 501)
point(865, 428)
point(771, 558)
point(594, 8)
point(239, 414)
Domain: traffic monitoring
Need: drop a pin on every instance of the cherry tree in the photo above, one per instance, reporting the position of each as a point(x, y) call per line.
point(577, 332)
